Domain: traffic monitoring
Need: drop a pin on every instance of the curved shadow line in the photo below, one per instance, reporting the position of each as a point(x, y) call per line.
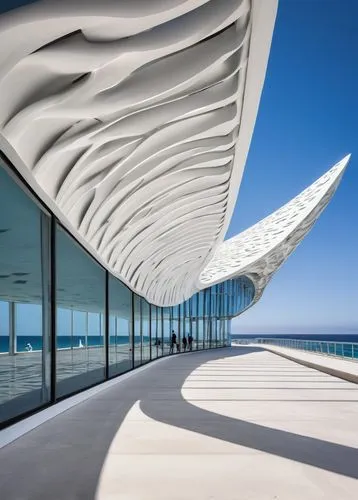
point(325, 455)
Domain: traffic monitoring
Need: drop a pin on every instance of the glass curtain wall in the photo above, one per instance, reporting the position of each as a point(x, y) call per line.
point(120, 330)
point(80, 301)
point(145, 332)
point(154, 346)
point(174, 327)
point(24, 301)
point(166, 330)
point(156, 332)
point(137, 344)
point(66, 323)
point(200, 320)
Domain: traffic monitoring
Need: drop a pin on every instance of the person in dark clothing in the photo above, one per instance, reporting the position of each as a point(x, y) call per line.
point(173, 342)
point(190, 342)
point(184, 343)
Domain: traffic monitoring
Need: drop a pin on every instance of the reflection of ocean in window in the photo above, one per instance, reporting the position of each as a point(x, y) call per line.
point(24, 275)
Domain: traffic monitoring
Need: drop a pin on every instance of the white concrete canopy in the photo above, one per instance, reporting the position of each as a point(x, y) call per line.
point(259, 251)
point(132, 121)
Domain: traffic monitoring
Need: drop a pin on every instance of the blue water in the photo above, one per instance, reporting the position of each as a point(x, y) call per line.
point(350, 337)
point(63, 341)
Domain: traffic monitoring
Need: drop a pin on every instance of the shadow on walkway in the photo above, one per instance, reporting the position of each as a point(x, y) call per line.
point(63, 458)
point(325, 455)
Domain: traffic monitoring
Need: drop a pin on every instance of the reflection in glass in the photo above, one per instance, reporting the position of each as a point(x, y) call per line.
point(80, 297)
point(174, 327)
point(166, 330)
point(24, 301)
point(200, 343)
point(137, 331)
point(160, 331)
point(120, 317)
point(145, 331)
point(156, 332)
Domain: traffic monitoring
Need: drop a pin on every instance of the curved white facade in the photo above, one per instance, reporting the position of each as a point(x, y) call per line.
point(259, 251)
point(132, 120)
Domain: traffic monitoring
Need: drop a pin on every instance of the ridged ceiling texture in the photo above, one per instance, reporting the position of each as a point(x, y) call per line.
point(132, 120)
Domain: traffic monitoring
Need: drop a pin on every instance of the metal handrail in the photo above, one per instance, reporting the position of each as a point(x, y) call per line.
point(304, 340)
point(346, 350)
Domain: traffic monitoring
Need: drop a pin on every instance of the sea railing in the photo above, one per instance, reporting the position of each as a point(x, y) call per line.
point(346, 350)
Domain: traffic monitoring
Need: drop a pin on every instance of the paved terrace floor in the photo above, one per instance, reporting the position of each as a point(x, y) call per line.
point(235, 423)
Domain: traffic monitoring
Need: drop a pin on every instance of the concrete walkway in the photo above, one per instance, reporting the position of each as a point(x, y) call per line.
point(344, 368)
point(238, 423)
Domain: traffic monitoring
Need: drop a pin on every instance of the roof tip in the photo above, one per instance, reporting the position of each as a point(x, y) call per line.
point(347, 158)
point(341, 165)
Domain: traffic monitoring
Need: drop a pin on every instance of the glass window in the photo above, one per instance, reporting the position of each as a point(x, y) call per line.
point(145, 331)
point(221, 335)
point(201, 304)
point(24, 301)
point(213, 304)
point(160, 331)
point(213, 333)
point(4, 327)
point(207, 300)
point(155, 341)
point(174, 327)
point(120, 334)
point(175, 312)
point(194, 334)
point(186, 322)
point(200, 343)
point(228, 332)
point(193, 305)
point(137, 331)
point(166, 330)
point(80, 297)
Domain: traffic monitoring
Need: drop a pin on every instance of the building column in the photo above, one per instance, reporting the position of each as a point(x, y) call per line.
point(12, 332)
point(86, 330)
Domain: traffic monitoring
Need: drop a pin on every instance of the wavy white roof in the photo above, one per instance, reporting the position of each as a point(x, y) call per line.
point(259, 251)
point(132, 121)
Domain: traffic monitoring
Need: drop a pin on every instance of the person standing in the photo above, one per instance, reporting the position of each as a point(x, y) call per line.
point(184, 342)
point(173, 342)
point(190, 342)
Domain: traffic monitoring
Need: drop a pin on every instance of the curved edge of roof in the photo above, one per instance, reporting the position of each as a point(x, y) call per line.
point(263, 18)
point(263, 21)
point(260, 251)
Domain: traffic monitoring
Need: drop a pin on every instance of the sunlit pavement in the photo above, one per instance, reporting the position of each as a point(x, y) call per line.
point(236, 423)
point(345, 368)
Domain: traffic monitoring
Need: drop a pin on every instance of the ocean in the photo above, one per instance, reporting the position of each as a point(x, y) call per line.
point(337, 337)
point(66, 342)
point(63, 341)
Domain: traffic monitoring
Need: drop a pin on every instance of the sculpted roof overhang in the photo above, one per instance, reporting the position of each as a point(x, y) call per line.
point(132, 121)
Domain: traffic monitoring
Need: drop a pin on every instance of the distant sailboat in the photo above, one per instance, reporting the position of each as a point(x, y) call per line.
point(80, 344)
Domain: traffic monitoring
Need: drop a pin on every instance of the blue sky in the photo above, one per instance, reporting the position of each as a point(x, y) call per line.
point(307, 121)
